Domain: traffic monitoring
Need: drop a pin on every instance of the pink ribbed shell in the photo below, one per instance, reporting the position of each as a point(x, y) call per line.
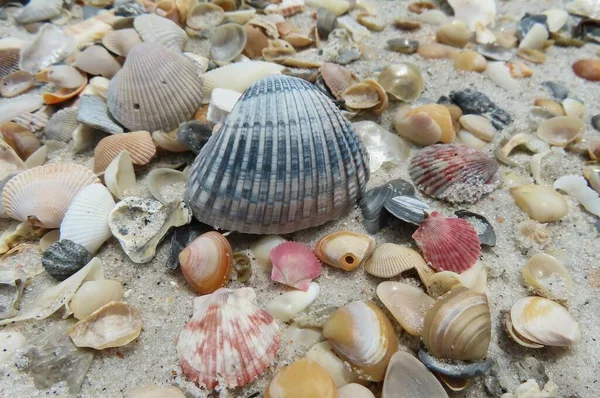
point(295, 265)
point(449, 244)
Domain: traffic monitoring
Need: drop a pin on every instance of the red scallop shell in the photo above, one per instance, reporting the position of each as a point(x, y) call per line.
point(454, 173)
point(449, 244)
point(295, 265)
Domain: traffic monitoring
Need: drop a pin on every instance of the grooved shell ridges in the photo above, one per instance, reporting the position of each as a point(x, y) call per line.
point(157, 89)
point(285, 159)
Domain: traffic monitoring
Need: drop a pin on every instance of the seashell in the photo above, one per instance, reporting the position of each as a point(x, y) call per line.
point(86, 220)
point(354, 390)
point(547, 276)
point(10, 342)
point(155, 29)
point(64, 258)
point(237, 77)
point(93, 111)
point(242, 267)
point(483, 35)
point(402, 81)
point(96, 60)
point(154, 391)
point(406, 24)
point(402, 45)
point(60, 181)
point(518, 69)
point(37, 158)
point(326, 22)
point(262, 249)
point(573, 108)
point(406, 303)
point(469, 140)
point(463, 317)
point(341, 46)
point(337, 7)
point(454, 173)
point(495, 52)
point(407, 208)
point(437, 51)
point(88, 31)
point(337, 78)
point(559, 91)
point(373, 201)
point(470, 61)
point(484, 229)
point(297, 40)
point(167, 9)
point(550, 106)
point(64, 76)
point(362, 335)
point(278, 49)
point(139, 144)
point(141, 224)
point(542, 203)
point(556, 19)
point(592, 174)
point(285, 8)
point(285, 306)
point(294, 264)
point(114, 325)
point(596, 122)
point(181, 238)
point(10, 163)
point(168, 141)
point(535, 37)
point(577, 186)
point(206, 263)
point(9, 60)
point(61, 125)
point(15, 84)
point(39, 10)
point(234, 365)
point(389, 260)
point(475, 102)
point(344, 249)
point(455, 34)
point(227, 42)
point(222, 102)
point(204, 16)
point(48, 239)
point(49, 46)
point(93, 295)
point(406, 376)
point(544, 322)
point(455, 368)
point(256, 41)
point(12, 284)
point(166, 185)
point(531, 55)
point(138, 98)
point(448, 244)
point(303, 378)
point(23, 141)
point(360, 96)
point(479, 126)
point(9, 109)
point(62, 94)
point(322, 354)
point(441, 115)
point(194, 135)
point(224, 213)
point(121, 41)
point(420, 128)
point(499, 73)
point(371, 22)
point(227, 5)
point(561, 130)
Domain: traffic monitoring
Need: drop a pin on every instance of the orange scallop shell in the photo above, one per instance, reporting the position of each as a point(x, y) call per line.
point(139, 144)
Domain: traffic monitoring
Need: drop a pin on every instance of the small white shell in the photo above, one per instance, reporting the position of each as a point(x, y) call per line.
point(499, 73)
point(166, 185)
point(262, 248)
point(93, 295)
point(288, 304)
point(535, 38)
point(577, 186)
point(119, 176)
point(222, 102)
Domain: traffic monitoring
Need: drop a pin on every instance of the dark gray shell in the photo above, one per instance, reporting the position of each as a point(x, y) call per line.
point(285, 159)
point(63, 258)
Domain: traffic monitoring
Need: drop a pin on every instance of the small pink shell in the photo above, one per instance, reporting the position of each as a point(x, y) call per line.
point(295, 265)
point(449, 244)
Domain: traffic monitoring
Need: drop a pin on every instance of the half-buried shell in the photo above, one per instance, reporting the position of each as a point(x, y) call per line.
point(139, 144)
point(294, 264)
point(390, 259)
point(344, 249)
point(121, 41)
point(96, 60)
point(227, 42)
point(235, 187)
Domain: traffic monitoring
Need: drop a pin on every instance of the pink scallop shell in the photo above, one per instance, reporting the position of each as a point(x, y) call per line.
point(295, 265)
point(229, 341)
point(449, 244)
point(454, 173)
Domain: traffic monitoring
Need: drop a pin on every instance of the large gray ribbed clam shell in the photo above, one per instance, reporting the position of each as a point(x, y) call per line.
point(285, 159)
point(157, 89)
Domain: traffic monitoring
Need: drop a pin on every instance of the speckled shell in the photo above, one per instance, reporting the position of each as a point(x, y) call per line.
point(454, 173)
point(229, 341)
point(155, 29)
point(285, 159)
point(139, 144)
point(138, 98)
point(45, 192)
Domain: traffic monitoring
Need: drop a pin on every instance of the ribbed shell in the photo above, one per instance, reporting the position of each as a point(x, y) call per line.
point(337, 78)
point(285, 159)
point(454, 172)
point(61, 125)
point(9, 61)
point(155, 29)
point(121, 41)
point(45, 192)
point(229, 341)
point(389, 260)
point(157, 89)
point(139, 144)
point(39, 10)
point(94, 112)
point(86, 220)
point(449, 244)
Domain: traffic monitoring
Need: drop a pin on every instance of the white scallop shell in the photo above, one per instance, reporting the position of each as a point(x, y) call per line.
point(153, 28)
point(86, 221)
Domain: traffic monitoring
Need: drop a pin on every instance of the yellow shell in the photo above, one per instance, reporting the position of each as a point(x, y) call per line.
point(542, 203)
point(344, 249)
point(301, 379)
point(389, 260)
point(442, 117)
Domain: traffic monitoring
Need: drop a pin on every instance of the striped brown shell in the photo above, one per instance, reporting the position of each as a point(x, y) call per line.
point(139, 144)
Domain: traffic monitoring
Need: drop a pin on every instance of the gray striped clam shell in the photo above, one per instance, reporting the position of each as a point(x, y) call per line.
point(61, 125)
point(285, 159)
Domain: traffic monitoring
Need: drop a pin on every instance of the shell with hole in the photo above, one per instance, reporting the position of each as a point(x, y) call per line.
point(119, 176)
point(362, 335)
point(344, 249)
point(548, 277)
point(86, 220)
point(139, 144)
point(42, 195)
point(390, 259)
point(408, 304)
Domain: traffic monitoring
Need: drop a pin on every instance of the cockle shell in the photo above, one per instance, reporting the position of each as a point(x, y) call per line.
point(285, 306)
point(96, 60)
point(15, 84)
point(337, 78)
point(206, 262)
point(121, 41)
point(86, 220)
point(114, 325)
point(303, 378)
point(119, 176)
point(547, 276)
point(39, 10)
point(458, 326)
point(156, 89)
point(344, 249)
point(155, 29)
point(9, 60)
point(22, 196)
point(295, 265)
point(229, 341)
point(449, 244)
point(93, 111)
point(406, 376)
point(454, 173)
point(249, 206)
point(389, 260)
point(139, 144)
point(407, 304)
point(93, 295)
point(361, 334)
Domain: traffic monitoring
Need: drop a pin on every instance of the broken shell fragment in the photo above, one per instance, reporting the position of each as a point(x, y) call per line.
point(322, 353)
point(407, 304)
point(407, 208)
point(542, 203)
point(338, 78)
point(484, 228)
point(119, 176)
point(437, 51)
point(63, 94)
point(285, 306)
point(15, 84)
point(48, 239)
point(166, 185)
point(23, 141)
point(64, 76)
point(344, 249)
point(561, 130)
point(390, 259)
point(12, 283)
point(295, 265)
point(93, 111)
point(64, 258)
point(402, 81)
point(573, 107)
point(576, 186)
point(547, 276)
point(303, 378)
point(93, 295)
point(550, 106)
point(360, 96)
point(406, 376)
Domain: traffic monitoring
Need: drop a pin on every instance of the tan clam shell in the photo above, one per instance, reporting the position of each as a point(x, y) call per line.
point(139, 144)
point(406, 303)
point(64, 76)
point(360, 96)
point(256, 42)
point(442, 117)
point(157, 89)
point(15, 84)
point(547, 275)
point(96, 60)
point(344, 249)
point(303, 378)
point(227, 42)
point(542, 203)
point(155, 29)
point(420, 129)
point(205, 16)
point(470, 61)
point(479, 126)
point(23, 141)
point(561, 130)
point(458, 326)
point(121, 41)
point(278, 48)
point(390, 259)
point(43, 194)
point(114, 325)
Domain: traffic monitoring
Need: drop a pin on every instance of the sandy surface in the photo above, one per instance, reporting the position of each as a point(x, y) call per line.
point(166, 302)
